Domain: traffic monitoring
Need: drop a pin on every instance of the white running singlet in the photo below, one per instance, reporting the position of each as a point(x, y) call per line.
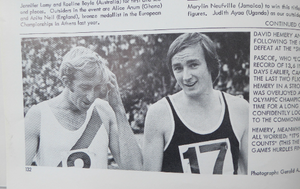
point(56, 143)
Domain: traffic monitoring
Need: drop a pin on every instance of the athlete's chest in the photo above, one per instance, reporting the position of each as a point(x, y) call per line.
point(198, 115)
point(69, 119)
point(200, 119)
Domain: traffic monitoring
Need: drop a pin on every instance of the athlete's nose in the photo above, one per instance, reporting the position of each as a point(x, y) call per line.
point(187, 74)
point(91, 95)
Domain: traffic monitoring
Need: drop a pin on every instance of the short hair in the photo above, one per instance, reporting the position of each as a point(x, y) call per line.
point(84, 60)
point(189, 39)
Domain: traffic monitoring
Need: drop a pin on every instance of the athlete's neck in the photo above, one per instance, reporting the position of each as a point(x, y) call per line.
point(206, 110)
point(63, 102)
point(205, 99)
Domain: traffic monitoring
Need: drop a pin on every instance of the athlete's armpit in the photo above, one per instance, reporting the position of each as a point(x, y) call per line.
point(32, 133)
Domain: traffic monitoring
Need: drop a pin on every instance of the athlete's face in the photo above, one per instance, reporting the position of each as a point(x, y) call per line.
point(191, 72)
point(85, 89)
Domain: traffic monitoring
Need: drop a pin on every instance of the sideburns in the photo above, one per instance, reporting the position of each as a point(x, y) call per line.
point(71, 86)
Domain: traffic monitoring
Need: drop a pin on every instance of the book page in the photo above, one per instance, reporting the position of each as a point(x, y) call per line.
point(2, 122)
point(2, 143)
point(210, 91)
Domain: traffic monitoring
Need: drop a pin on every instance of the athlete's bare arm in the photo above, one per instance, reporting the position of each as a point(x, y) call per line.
point(243, 160)
point(109, 120)
point(128, 150)
point(239, 116)
point(157, 132)
point(32, 133)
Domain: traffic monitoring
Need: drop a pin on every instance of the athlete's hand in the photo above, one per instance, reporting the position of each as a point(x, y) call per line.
point(114, 97)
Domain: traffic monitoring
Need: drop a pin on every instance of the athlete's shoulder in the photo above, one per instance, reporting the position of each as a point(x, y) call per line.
point(158, 109)
point(103, 106)
point(105, 112)
point(33, 119)
point(159, 117)
point(237, 104)
point(239, 114)
point(99, 101)
point(35, 111)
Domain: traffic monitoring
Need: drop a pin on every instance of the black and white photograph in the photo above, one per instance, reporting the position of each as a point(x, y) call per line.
point(167, 102)
point(150, 94)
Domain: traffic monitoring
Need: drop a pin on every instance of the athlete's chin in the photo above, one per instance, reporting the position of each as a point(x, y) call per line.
point(84, 106)
point(191, 93)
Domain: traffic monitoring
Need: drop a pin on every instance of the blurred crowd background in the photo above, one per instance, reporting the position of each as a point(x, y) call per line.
point(138, 61)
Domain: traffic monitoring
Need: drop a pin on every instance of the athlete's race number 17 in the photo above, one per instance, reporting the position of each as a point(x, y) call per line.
point(193, 154)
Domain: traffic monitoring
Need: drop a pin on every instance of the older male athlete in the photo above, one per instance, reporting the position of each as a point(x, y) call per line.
point(76, 128)
point(199, 129)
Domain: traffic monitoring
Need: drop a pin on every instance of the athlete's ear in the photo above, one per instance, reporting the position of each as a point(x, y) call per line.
point(66, 81)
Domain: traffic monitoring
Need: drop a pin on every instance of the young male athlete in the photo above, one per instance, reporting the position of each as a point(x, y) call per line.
point(76, 128)
point(199, 129)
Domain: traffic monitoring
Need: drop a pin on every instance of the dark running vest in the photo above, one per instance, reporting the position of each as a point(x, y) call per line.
point(212, 153)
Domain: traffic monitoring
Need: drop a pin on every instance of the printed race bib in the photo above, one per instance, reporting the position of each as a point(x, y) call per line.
point(81, 158)
point(210, 157)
